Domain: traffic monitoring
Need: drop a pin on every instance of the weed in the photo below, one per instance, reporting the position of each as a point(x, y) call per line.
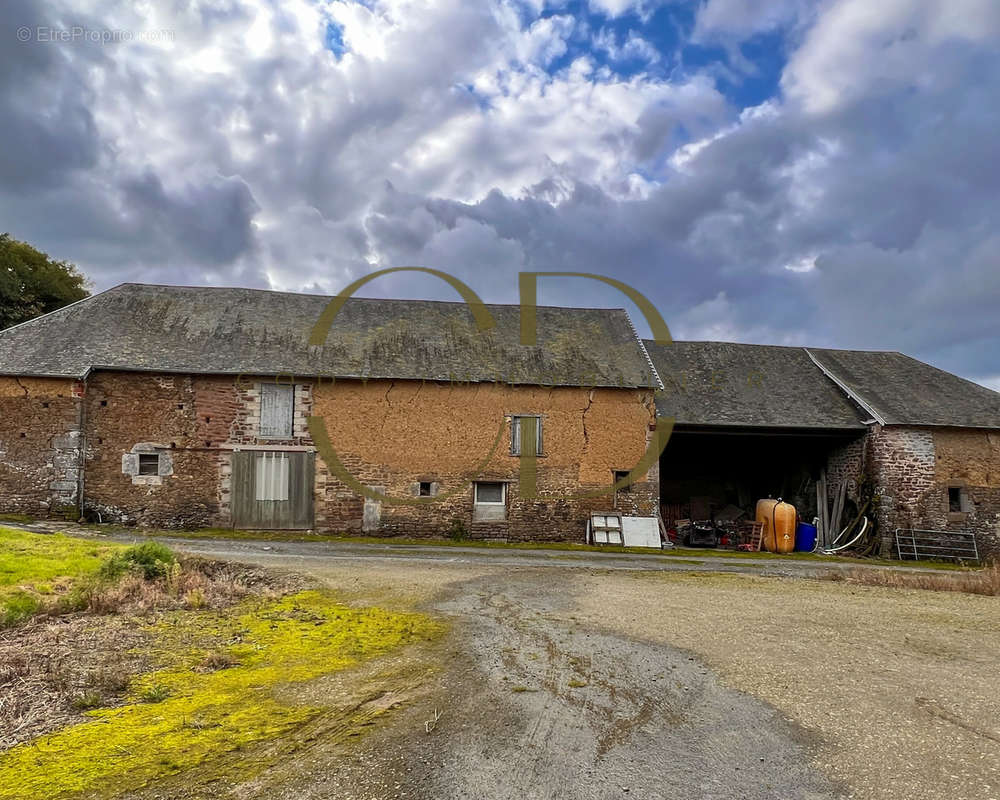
point(88, 700)
point(217, 659)
point(156, 693)
point(457, 531)
point(576, 683)
point(111, 681)
point(195, 598)
point(152, 560)
point(17, 608)
point(521, 689)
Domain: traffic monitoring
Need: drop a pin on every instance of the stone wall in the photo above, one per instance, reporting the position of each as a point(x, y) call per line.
point(392, 435)
point(845, 463)
point(913, 469)
point(133, 413)
point(39, 446)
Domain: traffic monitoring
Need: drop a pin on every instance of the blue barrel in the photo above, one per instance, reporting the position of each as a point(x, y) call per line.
point(805, 537)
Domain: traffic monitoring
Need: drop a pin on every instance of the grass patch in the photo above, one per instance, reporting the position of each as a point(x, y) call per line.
point(17, 607)
point(29, 560)
point(155, 693)
point(206, 714)
point(983, 581)
point(683, 555)
point(55, 574)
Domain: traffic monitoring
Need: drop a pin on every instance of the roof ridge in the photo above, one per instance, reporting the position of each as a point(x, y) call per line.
point(352, 297)
point(645, 353)
point(848, 390)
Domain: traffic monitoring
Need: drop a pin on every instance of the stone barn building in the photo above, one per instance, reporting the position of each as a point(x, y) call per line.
point(756, 421)
point(190, 407)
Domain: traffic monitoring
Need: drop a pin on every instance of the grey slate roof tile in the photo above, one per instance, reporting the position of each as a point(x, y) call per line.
point(748, 385)
point(905, 391)
point(254, 332)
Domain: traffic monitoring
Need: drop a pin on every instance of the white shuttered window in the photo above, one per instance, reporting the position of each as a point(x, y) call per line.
point(276, 408)
point(272, 476)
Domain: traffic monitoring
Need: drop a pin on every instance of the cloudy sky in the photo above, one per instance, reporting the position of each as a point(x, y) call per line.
point(785, 171)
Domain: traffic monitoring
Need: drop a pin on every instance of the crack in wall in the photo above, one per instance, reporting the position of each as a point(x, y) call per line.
point(23, 387)
point(388, 402)
point(586, 436)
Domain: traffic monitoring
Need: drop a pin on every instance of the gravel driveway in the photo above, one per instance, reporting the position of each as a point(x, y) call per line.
point(651, 683)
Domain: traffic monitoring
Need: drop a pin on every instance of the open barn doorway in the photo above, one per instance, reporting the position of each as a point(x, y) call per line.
point(715, 477)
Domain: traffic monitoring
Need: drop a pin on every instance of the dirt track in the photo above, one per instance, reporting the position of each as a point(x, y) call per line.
point(557, 683)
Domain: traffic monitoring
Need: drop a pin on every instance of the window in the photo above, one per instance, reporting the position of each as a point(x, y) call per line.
point(425, 489)
point(620, 475)
point(523, 422)
point(276, 407)
point(272, 476)
point(149, 464)
point(958, 500)
point(490, 505)
point(489, 493)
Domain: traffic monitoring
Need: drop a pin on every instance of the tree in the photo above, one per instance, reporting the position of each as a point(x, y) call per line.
point(32, 284)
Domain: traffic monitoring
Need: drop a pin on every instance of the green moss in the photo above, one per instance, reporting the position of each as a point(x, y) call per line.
point(205, 714)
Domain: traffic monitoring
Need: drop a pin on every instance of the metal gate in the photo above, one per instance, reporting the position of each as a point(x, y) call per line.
point(915, 543)
point(272, 490)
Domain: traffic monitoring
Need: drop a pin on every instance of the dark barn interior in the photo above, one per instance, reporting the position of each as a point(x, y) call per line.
point(703, 472)
point(750, 422)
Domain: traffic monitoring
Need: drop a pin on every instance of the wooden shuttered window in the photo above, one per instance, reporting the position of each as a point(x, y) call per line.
point(277, 402)
point(520, 425)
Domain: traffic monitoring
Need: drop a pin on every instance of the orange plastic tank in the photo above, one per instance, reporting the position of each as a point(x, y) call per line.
point(764, 509)
point(779, 520)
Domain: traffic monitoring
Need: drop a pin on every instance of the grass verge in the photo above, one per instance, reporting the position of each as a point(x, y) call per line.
point(37, 571)
point(983, 581)
point(682, 554)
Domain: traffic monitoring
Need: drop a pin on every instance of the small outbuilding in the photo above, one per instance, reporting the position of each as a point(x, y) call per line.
point(755, 421)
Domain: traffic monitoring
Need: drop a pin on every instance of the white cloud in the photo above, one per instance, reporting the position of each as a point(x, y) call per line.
point(741, 19)
point(857, 208)
point(858, 47)
point(618, 8)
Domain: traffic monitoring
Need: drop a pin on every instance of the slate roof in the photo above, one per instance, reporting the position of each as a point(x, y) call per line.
point(764, 386)
point(748, 385)
point(253, 332)
point(904, 391)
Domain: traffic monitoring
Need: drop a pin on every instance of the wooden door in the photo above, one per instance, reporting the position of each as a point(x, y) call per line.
point(272, 490)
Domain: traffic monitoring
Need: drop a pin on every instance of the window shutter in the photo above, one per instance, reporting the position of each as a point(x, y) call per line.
point(276, 407)
point(515, 434)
